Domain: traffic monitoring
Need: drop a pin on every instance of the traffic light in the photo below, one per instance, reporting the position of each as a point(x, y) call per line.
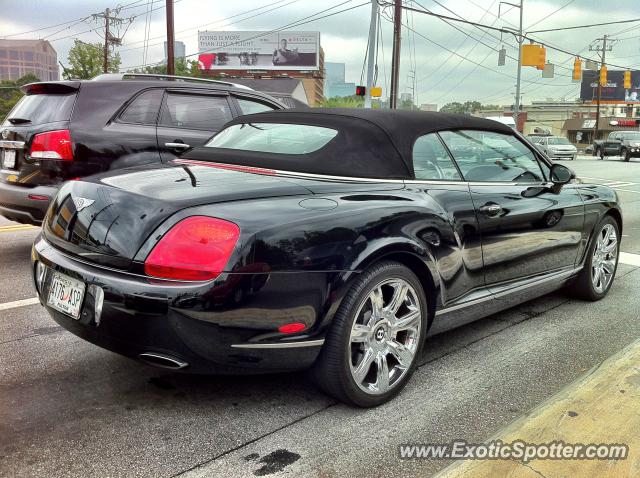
point(530, 55)
point(577, 70)
point(603, 75)
point(361, 90)
point(534, 55)
point(627, 80)
point(542, 58)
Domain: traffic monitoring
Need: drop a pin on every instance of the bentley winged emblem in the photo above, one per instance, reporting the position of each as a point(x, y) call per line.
point(82, 203)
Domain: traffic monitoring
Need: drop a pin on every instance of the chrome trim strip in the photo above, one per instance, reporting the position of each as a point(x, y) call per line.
point(11, 144)
point(494, 295)
point(283, 345)
point(347, 179)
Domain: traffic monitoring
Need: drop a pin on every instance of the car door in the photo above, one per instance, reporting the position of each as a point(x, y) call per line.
point(454, 226)
point(526, 229)
point(612, 144)
point(134, 131)
point(190, 118)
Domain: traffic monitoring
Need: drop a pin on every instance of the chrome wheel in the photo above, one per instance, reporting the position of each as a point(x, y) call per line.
point(385, 336)
point(605, 257)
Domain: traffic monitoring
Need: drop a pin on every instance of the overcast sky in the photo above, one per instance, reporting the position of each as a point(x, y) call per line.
point(441, 76)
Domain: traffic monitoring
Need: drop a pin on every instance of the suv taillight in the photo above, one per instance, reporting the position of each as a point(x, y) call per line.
point(196, 248)
point(52, 145)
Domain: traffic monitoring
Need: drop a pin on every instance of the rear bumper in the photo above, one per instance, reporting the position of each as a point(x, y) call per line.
point(193, 323)
point(17, 205)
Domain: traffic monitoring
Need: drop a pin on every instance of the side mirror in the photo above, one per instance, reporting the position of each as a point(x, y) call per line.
point(561, 175)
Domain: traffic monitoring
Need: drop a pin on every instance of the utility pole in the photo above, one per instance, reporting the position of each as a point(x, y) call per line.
point(105, 60)
point(170, 39)
point(395, 59)
point(109, 38)
point(373, 35)
point(520, 40)
point(603, 56)
point(516, 113)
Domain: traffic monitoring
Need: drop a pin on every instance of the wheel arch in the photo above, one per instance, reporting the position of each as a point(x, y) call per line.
point(420, 262)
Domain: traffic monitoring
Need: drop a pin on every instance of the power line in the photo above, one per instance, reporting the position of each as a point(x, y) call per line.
point(575, 27)
point(551, 14)
point(503, 30)
point(218, 22)
point(300, 22)
point(76, 21)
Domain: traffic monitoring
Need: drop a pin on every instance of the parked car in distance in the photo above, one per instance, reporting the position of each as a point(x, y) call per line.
point(625, 144)
point(65, 130)
point(556, 147)
point(589, 150)
point(336, 240)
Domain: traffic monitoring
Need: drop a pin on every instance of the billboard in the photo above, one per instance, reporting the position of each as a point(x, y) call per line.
point(614, 91)
point(253, 50)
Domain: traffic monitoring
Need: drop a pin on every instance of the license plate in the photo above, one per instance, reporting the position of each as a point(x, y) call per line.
point(9, 159)
point(65, 294)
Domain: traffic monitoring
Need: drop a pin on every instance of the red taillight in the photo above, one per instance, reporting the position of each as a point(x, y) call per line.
point(52, 145)
point(196, 248)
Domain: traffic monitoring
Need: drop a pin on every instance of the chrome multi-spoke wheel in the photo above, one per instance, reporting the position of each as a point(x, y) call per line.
point(376, 336)
point(605, 257)
point(385, 336)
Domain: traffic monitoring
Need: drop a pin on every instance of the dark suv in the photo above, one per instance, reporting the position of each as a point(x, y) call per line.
point(65, 130)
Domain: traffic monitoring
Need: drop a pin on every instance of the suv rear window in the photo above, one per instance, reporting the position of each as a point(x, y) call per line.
point(42, 108)
point(273, 138)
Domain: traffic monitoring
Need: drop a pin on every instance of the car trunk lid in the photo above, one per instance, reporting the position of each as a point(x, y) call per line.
point(107, 218)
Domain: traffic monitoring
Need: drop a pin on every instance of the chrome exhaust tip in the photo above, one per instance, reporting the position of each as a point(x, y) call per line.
point(162, 361)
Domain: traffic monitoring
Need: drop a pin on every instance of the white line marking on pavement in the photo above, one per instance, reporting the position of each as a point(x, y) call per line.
point(19, 303)
point(630, 259)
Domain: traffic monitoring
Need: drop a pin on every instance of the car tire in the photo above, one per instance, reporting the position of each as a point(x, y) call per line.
point(585, 286)
point(368, 355)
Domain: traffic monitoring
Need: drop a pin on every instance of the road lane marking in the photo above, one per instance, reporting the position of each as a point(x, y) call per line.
point(629, 259)
point(17, 227)
point(19, 303)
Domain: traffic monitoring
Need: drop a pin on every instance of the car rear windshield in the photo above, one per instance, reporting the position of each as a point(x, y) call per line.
point(273, 138)
point(41, 109)
point(558, 141)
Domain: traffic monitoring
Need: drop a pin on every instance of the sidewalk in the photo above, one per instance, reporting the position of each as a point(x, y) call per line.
point(601, 407)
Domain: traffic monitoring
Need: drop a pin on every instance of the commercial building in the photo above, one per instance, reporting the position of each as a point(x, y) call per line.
point(334, 81)
point(178, 50)
point(20, 57)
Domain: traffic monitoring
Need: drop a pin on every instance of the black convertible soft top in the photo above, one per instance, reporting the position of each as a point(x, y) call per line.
point(371, 143)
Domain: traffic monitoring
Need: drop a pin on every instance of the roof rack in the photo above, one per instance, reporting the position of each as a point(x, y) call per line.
point(151, 76)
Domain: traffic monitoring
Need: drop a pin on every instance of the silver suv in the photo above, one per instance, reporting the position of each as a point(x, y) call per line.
point(556, 147)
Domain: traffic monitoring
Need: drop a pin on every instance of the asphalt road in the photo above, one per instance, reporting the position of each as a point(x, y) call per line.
point(68, 408)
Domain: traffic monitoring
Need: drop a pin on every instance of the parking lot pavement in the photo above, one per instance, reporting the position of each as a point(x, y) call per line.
point(68, 408)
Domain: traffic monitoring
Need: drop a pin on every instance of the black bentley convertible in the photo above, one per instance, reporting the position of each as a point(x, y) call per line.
point(336, 240)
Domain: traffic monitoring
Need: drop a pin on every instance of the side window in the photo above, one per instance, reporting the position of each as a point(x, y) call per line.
point(431, 160)
point(195, 112)
point(143, 109)
point(489, 156)
point(250, 106)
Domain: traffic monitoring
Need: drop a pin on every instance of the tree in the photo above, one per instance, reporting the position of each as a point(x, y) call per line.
point(465, 108)
point(183, 67)
point(352, 101)
point(86, 61)
point(10, 92)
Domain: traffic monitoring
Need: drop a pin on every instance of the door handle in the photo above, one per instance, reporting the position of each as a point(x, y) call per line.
point(491, 209)
point(177, 145)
